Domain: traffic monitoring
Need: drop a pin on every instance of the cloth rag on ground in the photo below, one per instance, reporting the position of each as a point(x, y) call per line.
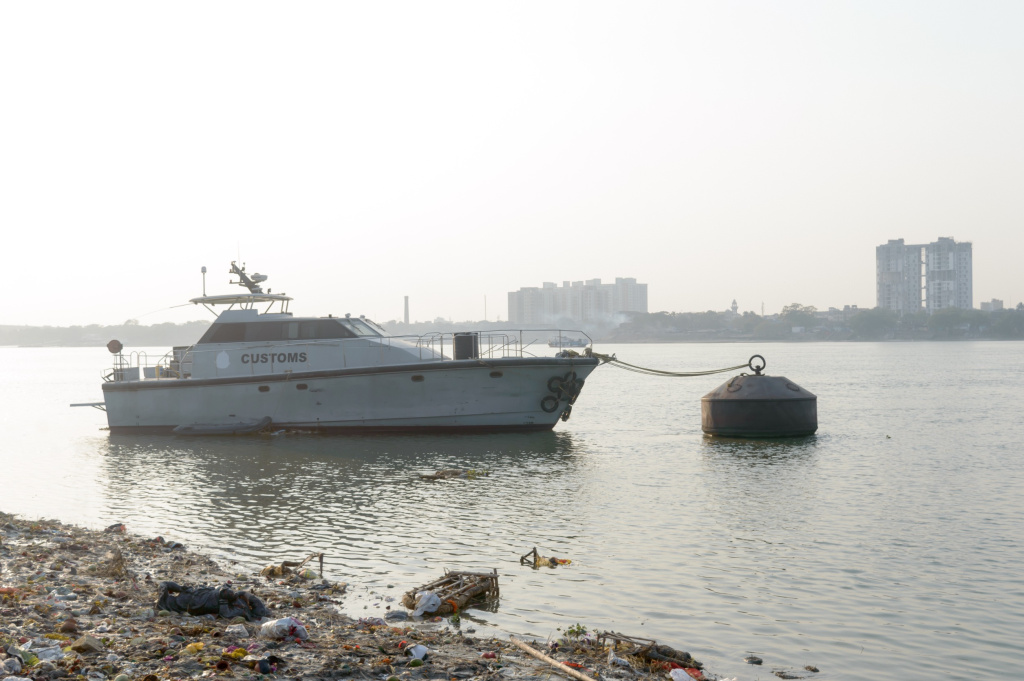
point(209, 600)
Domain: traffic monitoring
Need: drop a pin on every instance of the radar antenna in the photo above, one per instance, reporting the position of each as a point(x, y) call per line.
point(252, 283)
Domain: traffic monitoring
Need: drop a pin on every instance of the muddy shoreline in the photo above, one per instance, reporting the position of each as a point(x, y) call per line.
point(82, 604)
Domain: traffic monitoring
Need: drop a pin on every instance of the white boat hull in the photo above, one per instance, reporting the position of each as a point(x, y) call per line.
point(499, 394)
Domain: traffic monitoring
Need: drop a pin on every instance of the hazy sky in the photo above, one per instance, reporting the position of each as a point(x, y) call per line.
point(361, 152)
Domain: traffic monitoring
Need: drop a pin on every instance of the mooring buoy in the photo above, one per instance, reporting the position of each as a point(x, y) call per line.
point(755, 405)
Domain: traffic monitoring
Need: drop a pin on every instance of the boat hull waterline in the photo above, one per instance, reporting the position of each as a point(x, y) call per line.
point(494, 395)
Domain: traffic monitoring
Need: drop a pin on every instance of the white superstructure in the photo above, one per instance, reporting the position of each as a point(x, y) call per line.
point(338, 373)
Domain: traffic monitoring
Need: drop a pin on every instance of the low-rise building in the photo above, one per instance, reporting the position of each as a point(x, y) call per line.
point(579, 301)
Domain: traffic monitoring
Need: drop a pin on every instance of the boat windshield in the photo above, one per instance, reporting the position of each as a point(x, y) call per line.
point(358, 326)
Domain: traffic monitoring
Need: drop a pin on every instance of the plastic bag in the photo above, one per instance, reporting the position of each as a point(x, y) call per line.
point(49, 654)
point(237, 630)
point(417, 651)
point(616, 660)
point(426, 601)
point(286, 626)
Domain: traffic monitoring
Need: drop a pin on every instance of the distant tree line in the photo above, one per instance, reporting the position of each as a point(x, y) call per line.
point(131, 334)
point(804, 322)
point(796, 322)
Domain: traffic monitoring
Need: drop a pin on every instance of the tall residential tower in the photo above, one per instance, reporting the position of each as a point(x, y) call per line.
point(909, 277)
point(898, 269)
point(948, 275)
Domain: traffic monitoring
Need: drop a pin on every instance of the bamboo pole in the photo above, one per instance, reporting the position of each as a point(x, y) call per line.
point(569, 671)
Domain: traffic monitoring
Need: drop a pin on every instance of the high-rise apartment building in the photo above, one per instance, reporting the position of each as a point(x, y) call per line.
point(909, 277)
point(898, 277)
point(579, 301)
point(948, 275)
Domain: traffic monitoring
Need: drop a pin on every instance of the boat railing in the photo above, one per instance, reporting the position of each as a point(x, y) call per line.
point(438, 346)
point(137, 366)
point(491, 344)
point(120, 371)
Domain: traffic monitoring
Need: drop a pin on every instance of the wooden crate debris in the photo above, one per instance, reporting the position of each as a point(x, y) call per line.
point(649, 649)
point(289, 566)
point(456, 589)
point(534, 559)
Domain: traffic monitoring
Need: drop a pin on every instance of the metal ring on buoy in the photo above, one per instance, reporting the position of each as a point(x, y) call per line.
point(565, 414)
point(757, 370)
point(549, 400)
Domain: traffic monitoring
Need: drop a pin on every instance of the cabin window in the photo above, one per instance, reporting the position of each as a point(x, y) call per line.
point(264, 331)
point(322, 329)
point(308, 330)
point(224, 333)
point(301, 386)
point(271, 332)
point(358, 327)
point(264, 388)
point(496, 374)
point(417, 378)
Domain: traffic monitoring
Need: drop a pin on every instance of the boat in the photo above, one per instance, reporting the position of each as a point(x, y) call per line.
point(259, 366)
point(559, 342)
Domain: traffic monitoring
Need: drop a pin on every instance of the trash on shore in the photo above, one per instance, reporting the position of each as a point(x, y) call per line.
point(560, 666)
point(79, 604)
point(451, 593)
point(286, 627)
point(657, 655)
point(448, 473)
point(418, 651)
point(536, 560)
point(290, 566)
point(220, 602)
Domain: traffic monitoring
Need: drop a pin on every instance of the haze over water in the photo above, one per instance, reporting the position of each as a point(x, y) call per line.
point(888, 545)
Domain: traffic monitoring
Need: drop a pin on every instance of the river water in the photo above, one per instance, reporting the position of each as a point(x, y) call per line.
point(888, 545)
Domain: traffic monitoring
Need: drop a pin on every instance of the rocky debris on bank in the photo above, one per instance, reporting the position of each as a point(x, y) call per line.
point(80, 604)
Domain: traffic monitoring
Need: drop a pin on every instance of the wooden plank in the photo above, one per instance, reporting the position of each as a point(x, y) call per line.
point(569, 671)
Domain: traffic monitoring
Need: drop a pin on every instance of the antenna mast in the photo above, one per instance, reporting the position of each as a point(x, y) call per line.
point(253, 283)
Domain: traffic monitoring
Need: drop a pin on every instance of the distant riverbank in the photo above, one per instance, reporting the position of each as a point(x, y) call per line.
point(797, 324)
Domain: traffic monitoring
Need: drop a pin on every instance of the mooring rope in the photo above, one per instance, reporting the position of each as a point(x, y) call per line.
point(626, 366)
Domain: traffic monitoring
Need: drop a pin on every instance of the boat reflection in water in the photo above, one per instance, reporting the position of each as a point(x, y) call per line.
point(261, 499)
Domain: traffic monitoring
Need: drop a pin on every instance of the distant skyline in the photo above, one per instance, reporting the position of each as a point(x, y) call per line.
point(359, 153)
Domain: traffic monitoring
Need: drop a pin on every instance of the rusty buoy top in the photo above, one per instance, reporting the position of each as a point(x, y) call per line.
point(759, 406)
